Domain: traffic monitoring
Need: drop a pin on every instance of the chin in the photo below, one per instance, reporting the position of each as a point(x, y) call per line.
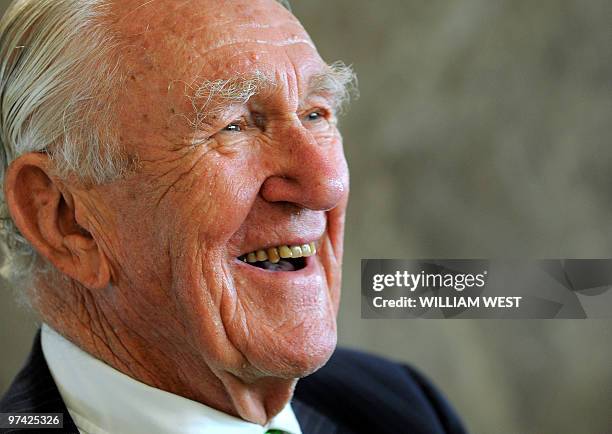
point(299, 355)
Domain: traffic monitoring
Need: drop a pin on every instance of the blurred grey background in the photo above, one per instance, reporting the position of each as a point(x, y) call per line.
point(483, 129)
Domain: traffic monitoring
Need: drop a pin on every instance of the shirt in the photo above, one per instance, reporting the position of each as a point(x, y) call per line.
point(102, 400)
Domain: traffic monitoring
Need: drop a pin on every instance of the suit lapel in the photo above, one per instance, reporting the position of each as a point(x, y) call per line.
point(311, 421)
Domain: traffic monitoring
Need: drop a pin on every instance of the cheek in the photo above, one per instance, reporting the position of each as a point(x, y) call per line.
point(222, 200)
point(200, 202)
point(209, 202)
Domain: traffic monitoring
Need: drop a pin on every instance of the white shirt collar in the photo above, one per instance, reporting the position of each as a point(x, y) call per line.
point(102, 400)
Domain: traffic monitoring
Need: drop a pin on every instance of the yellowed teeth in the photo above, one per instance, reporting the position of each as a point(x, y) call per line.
point(275, 254)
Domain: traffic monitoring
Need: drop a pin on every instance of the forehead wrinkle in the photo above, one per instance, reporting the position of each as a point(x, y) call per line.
point(281, 43)
point(279, 34)
point(249, 25)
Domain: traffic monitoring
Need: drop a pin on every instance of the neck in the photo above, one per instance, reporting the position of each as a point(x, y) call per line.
point(161, 362)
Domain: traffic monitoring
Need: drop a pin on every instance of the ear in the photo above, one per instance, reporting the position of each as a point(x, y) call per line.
point(44, 212)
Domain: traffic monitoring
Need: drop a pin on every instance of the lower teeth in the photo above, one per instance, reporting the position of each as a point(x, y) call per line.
point(281, 265)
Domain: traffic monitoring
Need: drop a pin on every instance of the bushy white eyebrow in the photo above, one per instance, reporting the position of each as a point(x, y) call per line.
point(210, 97)
point(339, 83)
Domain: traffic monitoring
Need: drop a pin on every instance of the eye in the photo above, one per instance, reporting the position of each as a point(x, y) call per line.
point(233, 127)
point(314, 116)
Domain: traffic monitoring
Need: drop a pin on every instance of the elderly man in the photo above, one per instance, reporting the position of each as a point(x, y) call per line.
point(176, 186)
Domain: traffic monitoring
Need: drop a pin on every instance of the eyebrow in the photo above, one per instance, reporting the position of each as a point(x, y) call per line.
point(209, 98)
point(338, 82)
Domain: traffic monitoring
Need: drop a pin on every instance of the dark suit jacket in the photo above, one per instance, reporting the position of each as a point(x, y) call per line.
point(354, 393)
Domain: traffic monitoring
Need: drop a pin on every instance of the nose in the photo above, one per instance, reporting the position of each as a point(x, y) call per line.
point(311, 174)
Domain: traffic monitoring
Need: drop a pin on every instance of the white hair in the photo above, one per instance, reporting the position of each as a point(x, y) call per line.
point(56, 87)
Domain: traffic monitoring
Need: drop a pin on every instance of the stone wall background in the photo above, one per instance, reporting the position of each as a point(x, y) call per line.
point(483, 130)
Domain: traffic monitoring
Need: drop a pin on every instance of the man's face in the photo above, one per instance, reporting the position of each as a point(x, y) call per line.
point(219, 178)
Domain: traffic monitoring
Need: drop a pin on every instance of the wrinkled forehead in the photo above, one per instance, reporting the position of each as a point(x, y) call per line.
point(215, 36)
point(134, 13)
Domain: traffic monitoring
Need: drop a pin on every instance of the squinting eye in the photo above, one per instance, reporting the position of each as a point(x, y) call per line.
point(234, 127)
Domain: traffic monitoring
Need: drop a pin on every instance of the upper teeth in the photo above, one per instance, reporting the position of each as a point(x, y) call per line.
point(274, 254)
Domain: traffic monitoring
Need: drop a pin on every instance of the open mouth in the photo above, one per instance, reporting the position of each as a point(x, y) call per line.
point(280, 258)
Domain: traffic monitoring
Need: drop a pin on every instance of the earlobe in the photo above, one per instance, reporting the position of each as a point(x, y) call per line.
point(45, 217)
